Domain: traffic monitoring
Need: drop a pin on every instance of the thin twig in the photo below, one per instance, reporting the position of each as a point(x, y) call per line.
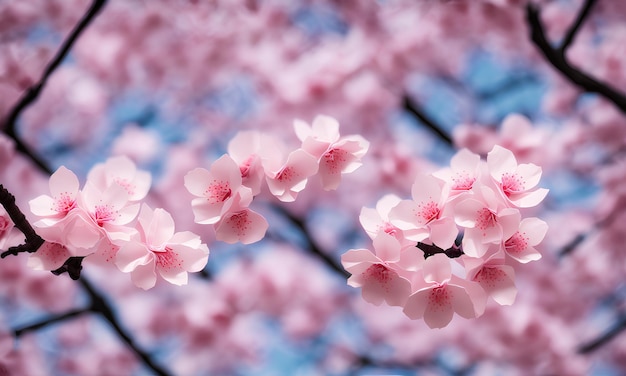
point(33, 241)
point(575, 27)
point(411, 107)
point(32, 93)
point(50, 320)
point(312, 245)
point(604, 338)
point(556, 57)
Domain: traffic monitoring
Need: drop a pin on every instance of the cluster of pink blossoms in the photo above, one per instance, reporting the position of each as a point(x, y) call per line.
point(105, 222)
point(467, 224)
point(225, 191)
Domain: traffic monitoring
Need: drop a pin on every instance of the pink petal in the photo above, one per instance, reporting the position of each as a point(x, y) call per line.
point(529, 199)
point(226, 169)
point(465, 160)
point(499, 283)
point(382, 283)
point(325, 128)
point(531, 174)
point(43, 206)
point(387, 247)
point(49, 256)
point(509, 220)
point(437, 269)
point(63, 182)
point(131, 255)
point(499, 161)
point(439, 310)
point(416, 304)
point(197, 180)
point(144, 276)
point(157, 225)
point(356, 261)
point(245, 226)
point(535, 229)
point(466, 212)
point(443, 232)
point(426, 188)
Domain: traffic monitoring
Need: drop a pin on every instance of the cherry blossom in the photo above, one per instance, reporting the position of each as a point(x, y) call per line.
point(216, 190)
point(247, 149)
point(286, 180)
point(376, 274)
point(241, 224)
point(374, 220)
point(122, 171)
point(521, 245)
point(64, 189)
point(425, 216)
point(50, 256)
point(515, 181)
point(442, 294)
point(496, 278)
point(337, 155)
point(157, 248)
point(463, 172)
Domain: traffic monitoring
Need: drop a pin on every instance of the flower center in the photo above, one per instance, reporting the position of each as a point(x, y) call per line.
point(218, 191)
point(516, 243)
point(428, 212)
point(486, 219)
point(64, 203)
point(104, 213)
point(462, 181)
point(512, 183)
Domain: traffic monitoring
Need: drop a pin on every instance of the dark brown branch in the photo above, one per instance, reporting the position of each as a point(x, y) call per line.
point(575, 27)
point(33, 241)
point(312, 246)
point(411, 107)
point(100, 305)
point(49, 321)
point(32, 93)
point(556, 56)
point(604, 338)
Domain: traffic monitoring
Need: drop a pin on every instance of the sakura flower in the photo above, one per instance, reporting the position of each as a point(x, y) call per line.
point(521, 245)
point(425, 216)
point(496, 278)
point(109, 209)
point(50, 256)
point(515, 181)
point(486, 220)
point(157, 248)
point(464, 170)
point(376, 274)
point(122, 171)
point(376, 219)
point(247, 149)
point(76, 231)
point(442, 294)
point(286, 180)
point(336, 155)
point(6, 225)
point(241, 224)
point(216, 189)
point(64, 188)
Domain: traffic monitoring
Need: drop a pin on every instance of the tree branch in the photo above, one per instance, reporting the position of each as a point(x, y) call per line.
point(33, 241)
point(32, 93)
point(411, 107)
point(49, 321)
point(603, 338)
point(557, 58)
point(575, 27)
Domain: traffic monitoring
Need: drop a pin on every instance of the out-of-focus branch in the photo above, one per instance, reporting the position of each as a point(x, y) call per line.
point(49, 321)
point(33, 241)
point(411, 107)
point(312, 245)
point(32, 93)
point(605, 337)
point(100, 305)
point(556, 56)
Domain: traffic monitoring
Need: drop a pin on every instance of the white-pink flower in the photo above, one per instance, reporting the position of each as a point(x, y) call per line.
point(247, 149)
point(426, 215)
point(521, 245)
point(442, 294)
point(50, 256)
point(6, 224)
point(516, 182)
point(486, 220)
point(375, 273)
point(376, 219)
point(121, 171)
point(463, 172)
point(64, 189)
point(337, 155)
point(496, 278)
point(241, 224)
point(216, 190)
point(286, 179)
point(156, 248)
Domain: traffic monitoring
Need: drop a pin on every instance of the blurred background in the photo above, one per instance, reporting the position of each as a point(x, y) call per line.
point(169, 82)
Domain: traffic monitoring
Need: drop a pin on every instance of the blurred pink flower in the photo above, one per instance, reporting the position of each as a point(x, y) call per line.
point(122, 171)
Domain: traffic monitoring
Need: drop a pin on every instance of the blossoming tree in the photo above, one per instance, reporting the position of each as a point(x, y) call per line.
point(297, 187)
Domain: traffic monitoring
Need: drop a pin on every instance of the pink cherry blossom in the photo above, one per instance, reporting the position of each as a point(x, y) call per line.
point(442, 294)
point(521, 245)
point(376, 274)
point(241, 224)
point(486, 220)
point(496, 278)
point(376, 219)
point(6, 225)
point(425, 216)
point(157, 248)
point(64, 188)
point(515, 181)
point(286, 180)
point(50, 256)
point(247, 149)
point(463, 172)
point(122, 171)
point(337, 155)
point(76, 231)
point(216, 190)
